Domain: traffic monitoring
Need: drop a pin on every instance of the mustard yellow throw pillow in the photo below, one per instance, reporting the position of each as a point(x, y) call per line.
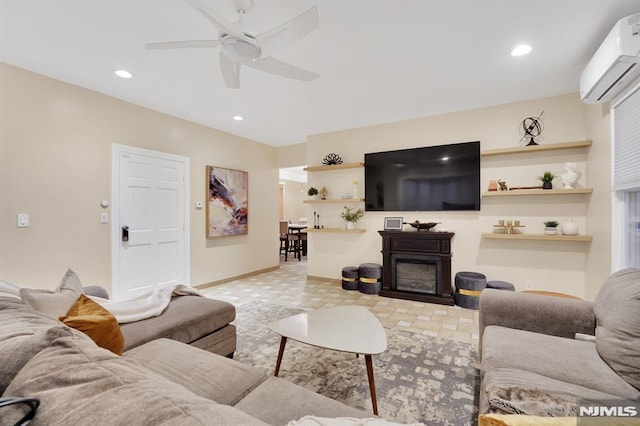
point(96, 322)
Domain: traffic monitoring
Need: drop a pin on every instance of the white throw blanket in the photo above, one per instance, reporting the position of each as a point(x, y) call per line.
point(9, 289)
point(144, 306)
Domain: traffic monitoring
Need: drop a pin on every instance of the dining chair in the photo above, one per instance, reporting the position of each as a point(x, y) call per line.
point(284, 239)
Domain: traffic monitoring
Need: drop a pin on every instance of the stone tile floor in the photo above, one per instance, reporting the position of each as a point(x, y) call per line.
point(289, 287)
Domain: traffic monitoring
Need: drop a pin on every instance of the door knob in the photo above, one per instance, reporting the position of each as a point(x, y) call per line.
point(125, 233)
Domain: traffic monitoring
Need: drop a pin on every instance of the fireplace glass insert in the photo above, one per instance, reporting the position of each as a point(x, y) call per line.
point(416, 273)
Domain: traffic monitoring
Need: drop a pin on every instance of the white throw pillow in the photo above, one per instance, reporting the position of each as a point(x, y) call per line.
point(54, 303)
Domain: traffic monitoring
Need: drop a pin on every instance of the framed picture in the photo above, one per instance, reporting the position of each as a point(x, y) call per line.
point(227, 202)
point(393, 224)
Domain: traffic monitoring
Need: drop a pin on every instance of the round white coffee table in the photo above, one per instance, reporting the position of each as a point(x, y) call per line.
point(343, 328)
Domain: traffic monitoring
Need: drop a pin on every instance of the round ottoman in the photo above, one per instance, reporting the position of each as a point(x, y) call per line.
point(350, 278)
point(501, 285)
point(370, 280)
point(469, 285)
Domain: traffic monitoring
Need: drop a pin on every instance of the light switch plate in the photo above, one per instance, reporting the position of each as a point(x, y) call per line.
point(23, 220)
point(104, 217)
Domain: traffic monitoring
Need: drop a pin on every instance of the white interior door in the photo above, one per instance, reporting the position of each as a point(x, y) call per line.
point(150, 237)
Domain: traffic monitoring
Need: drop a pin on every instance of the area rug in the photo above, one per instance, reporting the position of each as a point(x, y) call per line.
point(418, 379)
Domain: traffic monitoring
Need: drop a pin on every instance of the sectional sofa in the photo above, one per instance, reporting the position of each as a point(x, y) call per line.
point(548, 356)
point(155, 381)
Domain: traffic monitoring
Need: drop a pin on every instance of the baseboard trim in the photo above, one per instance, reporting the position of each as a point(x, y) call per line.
point(237, 277)
point(331, 280)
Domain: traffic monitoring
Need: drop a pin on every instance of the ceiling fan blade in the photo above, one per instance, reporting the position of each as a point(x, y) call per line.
point(224, 25)
point(277, 67)
point(181, 44)
point(230, 72)
point(288, 33)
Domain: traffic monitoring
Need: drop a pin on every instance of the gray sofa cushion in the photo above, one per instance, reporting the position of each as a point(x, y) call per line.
point(572, 361)
point(80, 383)
point(23, 333)
point(222, 342)
point(617, 310)
point(278, 402)
point(209, 375)
point(186, 319)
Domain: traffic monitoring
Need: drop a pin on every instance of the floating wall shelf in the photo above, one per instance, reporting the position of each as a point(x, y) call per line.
point(335, 201)
point(334, 167)
point(536, 148)
point(537, 192)
point(538, 237)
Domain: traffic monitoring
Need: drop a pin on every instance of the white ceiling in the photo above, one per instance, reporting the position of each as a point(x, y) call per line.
point(380, 60)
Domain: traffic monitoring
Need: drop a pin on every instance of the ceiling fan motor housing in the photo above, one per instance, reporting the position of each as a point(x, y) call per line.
point(240, 50)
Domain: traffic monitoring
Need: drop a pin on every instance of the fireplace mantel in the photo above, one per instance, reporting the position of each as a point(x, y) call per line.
point(415, 247)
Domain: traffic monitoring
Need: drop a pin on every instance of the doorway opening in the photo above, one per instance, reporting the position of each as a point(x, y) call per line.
point(293, 192)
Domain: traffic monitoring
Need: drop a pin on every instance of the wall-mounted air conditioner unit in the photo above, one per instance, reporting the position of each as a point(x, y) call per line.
point(616, 63)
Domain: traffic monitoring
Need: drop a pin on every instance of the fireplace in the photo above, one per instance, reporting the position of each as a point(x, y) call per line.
point(417, 266)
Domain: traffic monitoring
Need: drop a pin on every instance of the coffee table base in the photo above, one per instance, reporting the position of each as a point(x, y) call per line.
point(368, 361)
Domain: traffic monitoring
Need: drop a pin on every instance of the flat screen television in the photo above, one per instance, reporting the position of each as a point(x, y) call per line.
point(433, 178)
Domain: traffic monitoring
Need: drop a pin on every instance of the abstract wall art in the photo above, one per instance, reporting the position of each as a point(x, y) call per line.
point(227, 202)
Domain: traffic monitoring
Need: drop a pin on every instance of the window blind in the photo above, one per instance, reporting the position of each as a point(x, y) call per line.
point(626, 143)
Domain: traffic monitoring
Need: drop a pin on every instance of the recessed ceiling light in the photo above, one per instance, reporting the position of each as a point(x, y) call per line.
point(520, 50)
point(123, 73)
point(238, 117)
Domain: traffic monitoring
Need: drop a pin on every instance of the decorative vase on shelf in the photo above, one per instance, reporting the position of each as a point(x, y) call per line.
point(549, 230)
point(349, 225)
point(569, 228)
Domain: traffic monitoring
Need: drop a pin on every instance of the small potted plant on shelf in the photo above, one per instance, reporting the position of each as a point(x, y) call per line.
point(351, 216)
point(313, 193)
point(546, 179)
point(551, 227)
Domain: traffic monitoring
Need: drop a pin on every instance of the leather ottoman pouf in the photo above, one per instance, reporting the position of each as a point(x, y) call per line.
point(350, 278)
point(469, 285)
point(370, 280)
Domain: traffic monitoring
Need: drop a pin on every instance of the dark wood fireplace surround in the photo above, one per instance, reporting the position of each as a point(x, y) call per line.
point(431, 246)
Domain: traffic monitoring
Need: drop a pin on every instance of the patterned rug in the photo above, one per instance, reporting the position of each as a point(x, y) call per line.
point(418, 379)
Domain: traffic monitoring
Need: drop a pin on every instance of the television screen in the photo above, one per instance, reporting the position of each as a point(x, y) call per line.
point(434, 178)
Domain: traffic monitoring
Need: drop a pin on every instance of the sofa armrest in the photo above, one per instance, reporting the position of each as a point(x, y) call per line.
point(555, 316)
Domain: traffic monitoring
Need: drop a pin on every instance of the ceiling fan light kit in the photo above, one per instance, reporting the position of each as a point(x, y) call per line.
point(239, 47)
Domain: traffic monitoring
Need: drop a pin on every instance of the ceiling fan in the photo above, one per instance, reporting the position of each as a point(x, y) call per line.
point(239, 47)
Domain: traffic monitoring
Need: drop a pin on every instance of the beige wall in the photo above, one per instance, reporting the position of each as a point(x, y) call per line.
point(55, 164)
point(598, 268)
point(294, 195)
point(540, 265)
point(291, 155)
